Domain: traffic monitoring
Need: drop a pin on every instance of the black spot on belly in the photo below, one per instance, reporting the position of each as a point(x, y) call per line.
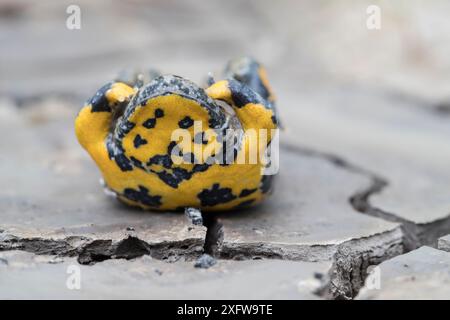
point(186, 122)
point(149, 123)
point(169, 179)
point(215, 195)
point(174, 176)
point(246, 192)
point(159, 113)
point(170, 174)
point(181, 174)
point(142, 196)
point(200, 167)
point(161, 159)
point(139, 141)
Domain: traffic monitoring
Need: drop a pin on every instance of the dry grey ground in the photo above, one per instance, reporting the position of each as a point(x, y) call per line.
point(364, 174)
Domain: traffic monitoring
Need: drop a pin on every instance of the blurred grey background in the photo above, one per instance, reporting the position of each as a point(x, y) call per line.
point(304, 44)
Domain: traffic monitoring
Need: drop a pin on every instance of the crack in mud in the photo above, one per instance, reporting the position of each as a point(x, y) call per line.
point(350, 263)
point(214, 235)
point(90, 251)
point(350, 260)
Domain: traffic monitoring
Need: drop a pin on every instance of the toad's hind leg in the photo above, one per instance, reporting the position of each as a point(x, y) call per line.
point(251, 73)
point(253, 111)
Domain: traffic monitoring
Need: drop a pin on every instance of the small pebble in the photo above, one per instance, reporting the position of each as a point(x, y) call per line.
point(205, 261)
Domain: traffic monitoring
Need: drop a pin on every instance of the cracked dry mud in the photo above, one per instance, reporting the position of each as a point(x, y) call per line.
point(419, 274)
point(55, 206)
point(147, 278)
point(407, 149)
point(364, 162)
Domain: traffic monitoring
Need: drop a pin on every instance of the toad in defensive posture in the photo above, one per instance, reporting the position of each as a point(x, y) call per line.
point(127, 128)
